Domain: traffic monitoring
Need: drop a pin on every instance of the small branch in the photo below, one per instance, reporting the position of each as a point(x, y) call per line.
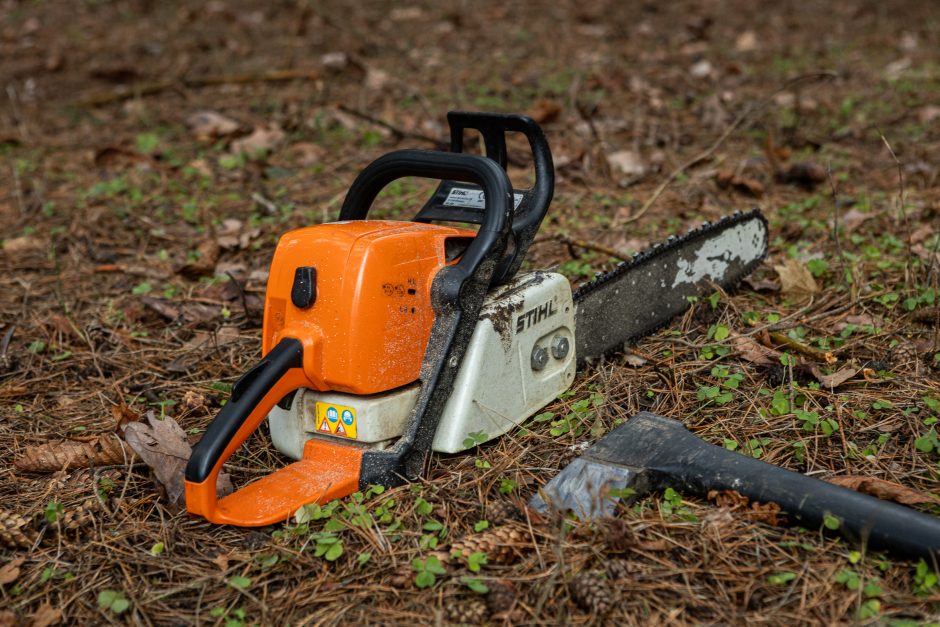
point(398, 132)
point(803, 349)
point(149, 89)
point(572, 242)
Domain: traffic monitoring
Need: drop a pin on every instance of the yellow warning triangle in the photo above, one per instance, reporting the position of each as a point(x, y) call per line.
point(325, 427)
point(339, 429)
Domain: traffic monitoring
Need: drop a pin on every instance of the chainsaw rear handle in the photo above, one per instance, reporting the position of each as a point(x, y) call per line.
point(442, 166)
point(326, 472)
point(281, 367)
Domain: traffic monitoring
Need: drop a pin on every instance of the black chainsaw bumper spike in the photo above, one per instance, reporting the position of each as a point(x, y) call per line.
point(651, 452)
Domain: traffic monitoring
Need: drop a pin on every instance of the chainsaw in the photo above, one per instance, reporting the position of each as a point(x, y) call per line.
point(385, 340)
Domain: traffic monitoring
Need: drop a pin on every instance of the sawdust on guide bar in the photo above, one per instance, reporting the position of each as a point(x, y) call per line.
point(97, 309)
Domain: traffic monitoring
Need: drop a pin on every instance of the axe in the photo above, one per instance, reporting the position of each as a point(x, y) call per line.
point(650, 452)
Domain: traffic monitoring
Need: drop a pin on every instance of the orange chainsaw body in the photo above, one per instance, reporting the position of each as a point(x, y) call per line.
point(367, 329)
point(357, 296)
point(351, 307)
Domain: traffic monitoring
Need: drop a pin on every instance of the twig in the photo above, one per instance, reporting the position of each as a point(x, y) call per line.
point(148, 89)
point(907, 228)
point(398, 132)
point(803, 349)
point(721, 139)
point(580, 243)
point(835, 214)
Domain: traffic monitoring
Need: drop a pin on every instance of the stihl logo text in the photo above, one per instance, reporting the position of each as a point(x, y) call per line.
point(535, 315)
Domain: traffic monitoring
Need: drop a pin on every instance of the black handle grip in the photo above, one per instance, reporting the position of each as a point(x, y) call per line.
point(674, 457)
point(493, 127)
point(245, 399)
point(442, 166)
point(534, 205)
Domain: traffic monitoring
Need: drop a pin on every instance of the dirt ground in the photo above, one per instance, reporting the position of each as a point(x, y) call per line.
point(136, 240)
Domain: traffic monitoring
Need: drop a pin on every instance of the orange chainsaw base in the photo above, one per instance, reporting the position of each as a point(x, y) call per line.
point(327, 471)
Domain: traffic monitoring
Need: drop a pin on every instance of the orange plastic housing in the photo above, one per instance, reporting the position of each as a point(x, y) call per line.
point(368, 328)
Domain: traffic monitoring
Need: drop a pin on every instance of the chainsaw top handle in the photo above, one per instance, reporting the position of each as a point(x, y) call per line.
point(446, 166)
point(455, 202)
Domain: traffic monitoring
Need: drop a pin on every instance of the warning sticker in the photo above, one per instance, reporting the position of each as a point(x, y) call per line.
point(473, 198)
point(336, 420)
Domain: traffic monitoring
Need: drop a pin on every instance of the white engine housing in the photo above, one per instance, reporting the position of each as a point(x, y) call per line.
point(520, 357)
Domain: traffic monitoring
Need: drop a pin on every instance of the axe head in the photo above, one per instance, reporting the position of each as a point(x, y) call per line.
point(623, 465)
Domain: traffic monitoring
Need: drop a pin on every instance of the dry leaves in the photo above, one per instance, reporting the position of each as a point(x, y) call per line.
point(750, 350)
point(209, 125)
point(261, 141)
point(544, 111)
point(626, 162)
point(186, 312)
point(232, 234)
point(747, 185)
point(768, 513)
point(805, 174)
point(46, 615)
point(838, 377)
point(795, 278)
point(885, 490)
point(10, 571)
point(207, 256)
point(101, 450)
point(162, 445)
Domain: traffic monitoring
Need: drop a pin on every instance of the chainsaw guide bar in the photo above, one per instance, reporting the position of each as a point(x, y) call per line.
point(641, 296)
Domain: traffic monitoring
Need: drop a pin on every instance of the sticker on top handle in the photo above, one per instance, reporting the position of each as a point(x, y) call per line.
point(336, 420)
point(473, 198)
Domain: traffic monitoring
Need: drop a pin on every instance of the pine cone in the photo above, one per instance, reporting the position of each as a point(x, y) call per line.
point(502, 511)
point(618, 569)
point(13, 530)
point(103, 450)
point(466, 611)
point(591, 591)
point(501, 598)
point(499, 545)
point(79, 516)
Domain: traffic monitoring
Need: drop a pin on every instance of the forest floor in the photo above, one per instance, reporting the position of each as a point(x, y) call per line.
point(136, 237)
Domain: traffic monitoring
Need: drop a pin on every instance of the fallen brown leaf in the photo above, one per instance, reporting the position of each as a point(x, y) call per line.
point(207, 256)
point(101, 450)
point(45, 616)
point(260, 142)
point(123, 415)
point(116, 158)
point(795, 278)
point(10, 571)
point(768, 513)
point(162, 445)
point(221, 560)
point(187, 312)
point(749, 350)
point(210, 125)
point(883, 489)
point(758, 285)
point(838, 377)
point(545, 111)
point(804, 174)
point(748, 185)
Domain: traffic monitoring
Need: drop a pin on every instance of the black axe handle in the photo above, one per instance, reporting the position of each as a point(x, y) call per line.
point(660, 452)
